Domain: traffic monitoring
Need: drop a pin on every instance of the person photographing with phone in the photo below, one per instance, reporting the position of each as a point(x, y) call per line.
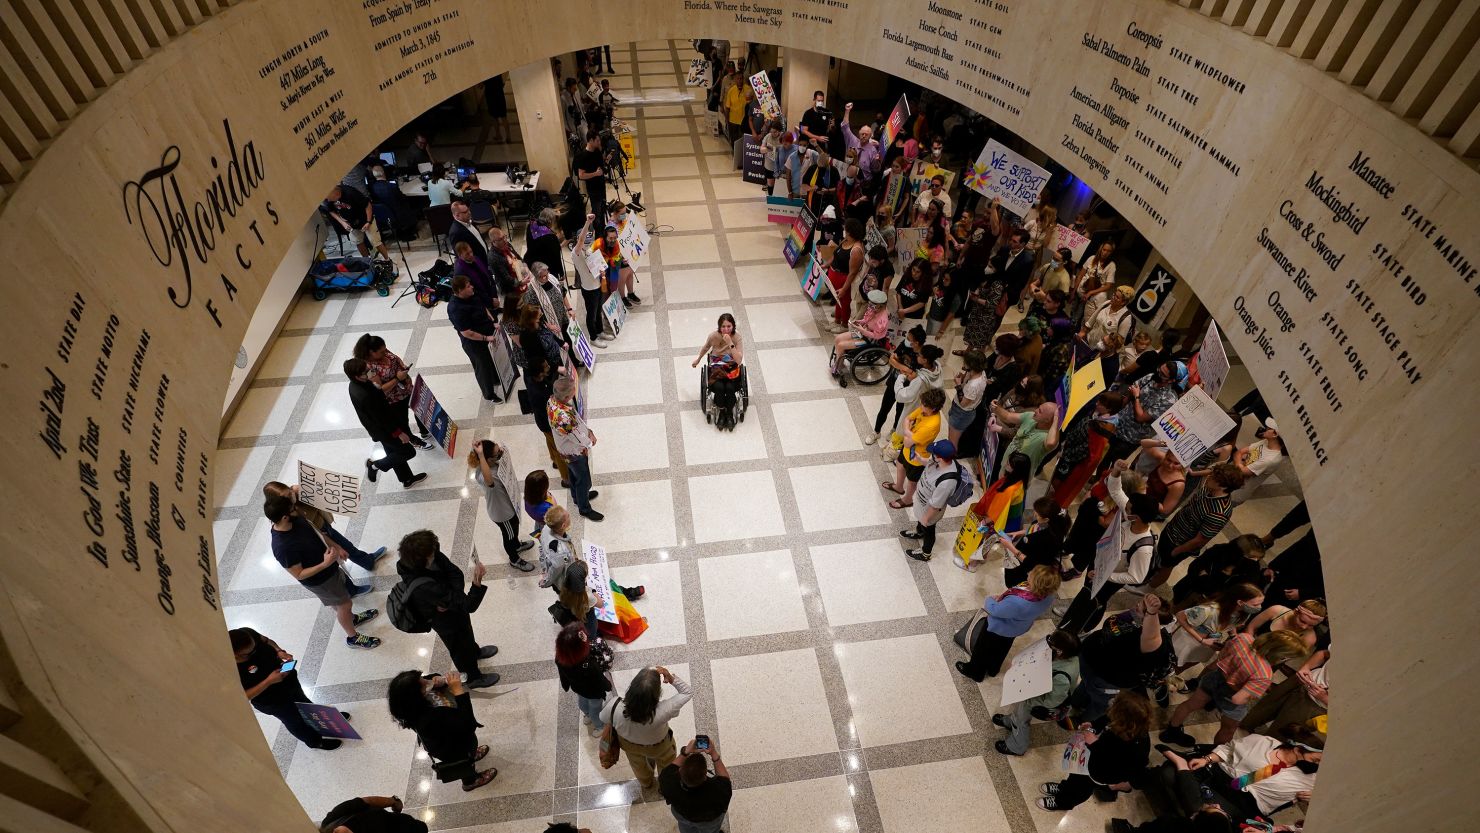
point(697, 798)
point(269, 677)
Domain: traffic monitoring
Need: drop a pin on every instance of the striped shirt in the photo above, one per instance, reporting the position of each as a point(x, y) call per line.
point(1204, 515)
point(1243, 669)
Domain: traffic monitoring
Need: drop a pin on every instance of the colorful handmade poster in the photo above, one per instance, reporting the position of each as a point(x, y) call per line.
point(783, 209)
point(895, 123)
point(907, 241)
point(599, 582)
point(1067, 238)
point(581, 343)
point(614, 312)
point(1192, 425)
point(633, 240)
point(1075, 760)
point(765, 96)
point(814, 278)
point(1005, 174)
point(796, 239)
point(698, 74)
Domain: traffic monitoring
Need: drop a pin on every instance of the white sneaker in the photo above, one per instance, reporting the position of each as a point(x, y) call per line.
point(871, 439)
point(598, 344)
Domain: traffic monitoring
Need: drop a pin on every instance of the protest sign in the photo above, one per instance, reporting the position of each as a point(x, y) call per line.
point(328, 721)
point(872, 236)
point(815, 276)
point(1003, 174)
point(595, 261)
point(1154, 293)
point(895, 123)
point(753, 161)
point(1067, 238)
point(633, 240)
point(614, 312)
point(335, 493)
point(783, 209)
point(431, 413)
point(599, 581)
point(1212, 361)
point(907, 241)
point(765, 97)
point(1084, 385)
point(698, 74)
point(581, 343)
point(1107, 554)
point(1193, 425)
point(1076, 755)
point(1030, 674)
point(796, 239)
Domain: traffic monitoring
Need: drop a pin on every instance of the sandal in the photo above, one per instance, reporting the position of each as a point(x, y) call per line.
point(888, 486)
point(480, 753)
point(482, 780)
point(898, 503)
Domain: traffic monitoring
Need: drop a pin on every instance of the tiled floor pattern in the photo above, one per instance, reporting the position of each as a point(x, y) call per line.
point(820, 656)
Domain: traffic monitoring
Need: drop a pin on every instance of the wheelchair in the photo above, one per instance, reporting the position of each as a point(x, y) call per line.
point(868, 364)
point(723, 417)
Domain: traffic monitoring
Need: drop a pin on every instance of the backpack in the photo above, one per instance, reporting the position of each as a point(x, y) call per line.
point(398, 606)
point(1155, 563)
point(965, 485)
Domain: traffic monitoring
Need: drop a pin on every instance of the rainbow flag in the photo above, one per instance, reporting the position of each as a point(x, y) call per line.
point(629, 625)
point(999, 511)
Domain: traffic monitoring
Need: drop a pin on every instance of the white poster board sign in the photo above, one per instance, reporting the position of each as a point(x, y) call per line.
point(614, 312)
point(698, 74)
point(1067, 238)
point(330, 491)
point(1212, 361)
point(596, 263)
point(599, 581)
point(1193, 425)
point(1030, 674)
point(1001, 173)
point(1107, 554)
point(765, 96)
point(632, 239)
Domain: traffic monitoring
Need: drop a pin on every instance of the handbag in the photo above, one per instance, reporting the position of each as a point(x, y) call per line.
point(890, 452)
point(611, 742)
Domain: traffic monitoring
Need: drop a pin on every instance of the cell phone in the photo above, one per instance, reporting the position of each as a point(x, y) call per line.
point(289, 666)
point(701, 741)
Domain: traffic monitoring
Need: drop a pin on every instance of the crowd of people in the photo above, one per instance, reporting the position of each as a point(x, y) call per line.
point(1243, 640)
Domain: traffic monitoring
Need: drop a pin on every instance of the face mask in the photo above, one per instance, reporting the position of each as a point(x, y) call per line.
point(817, 104)
point(935, 153)
point(848, 179)
point(1248, 608)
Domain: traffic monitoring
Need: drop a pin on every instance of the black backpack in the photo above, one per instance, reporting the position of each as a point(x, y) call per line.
point(398, 606)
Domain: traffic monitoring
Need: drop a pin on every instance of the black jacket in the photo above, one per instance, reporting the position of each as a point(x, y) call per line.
point(443, 600)
point(589, 678)
point(1016, 275)
point(378, 416)
point(447, 732)
point(459, 233)
point(546, 249)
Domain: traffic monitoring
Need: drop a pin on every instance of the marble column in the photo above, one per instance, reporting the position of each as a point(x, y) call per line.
point(538, 101)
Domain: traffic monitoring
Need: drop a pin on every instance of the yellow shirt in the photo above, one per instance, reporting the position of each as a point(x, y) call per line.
point(735, 104)
point(923, 429)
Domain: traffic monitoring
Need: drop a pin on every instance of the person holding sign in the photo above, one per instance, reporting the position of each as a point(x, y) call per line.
point(1064, 648)
point(269, 678)
point(590, 281)
point(300, 549)
point(1118, 747)
point(1010, 614)
point(324, 523)
point(494, 471)
point(1133, 548)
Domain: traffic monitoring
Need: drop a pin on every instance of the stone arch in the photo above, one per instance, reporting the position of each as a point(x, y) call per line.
point(183, 171)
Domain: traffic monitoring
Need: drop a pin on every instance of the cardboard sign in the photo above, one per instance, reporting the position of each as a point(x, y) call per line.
point(1002, 174)
point(895, 123)
point(614, 312)
point(698, 74)
point(815, 276)
point(1030, 674)
point(1154, 292)
point(783, 209)
point(796, 239)
point(1212, 361)
point(753, 161)
point(431, 413)
point(1193, 425)
point(327, 721)
point(765, 97)
point(335, 493)
point(581, 344)
point(1084, 385)
point(599, 581)
point(633, 240)
point(1067, 238)
point(1107, 553)
point(907, 241)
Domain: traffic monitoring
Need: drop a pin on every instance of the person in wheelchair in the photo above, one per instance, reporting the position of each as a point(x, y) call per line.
point(869, 328)
point(724, 372)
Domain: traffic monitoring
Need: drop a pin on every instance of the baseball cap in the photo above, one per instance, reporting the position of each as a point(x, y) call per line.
point(877, 296)
point(942, 448)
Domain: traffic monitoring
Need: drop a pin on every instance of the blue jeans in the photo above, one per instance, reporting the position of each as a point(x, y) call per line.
point(686, 826)
point(591, 708)
point(580, 482)
point(1016, 717)
point(359, 557)
point(1093, 695)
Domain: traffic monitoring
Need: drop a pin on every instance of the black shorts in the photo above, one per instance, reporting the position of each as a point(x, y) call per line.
point(912, 472)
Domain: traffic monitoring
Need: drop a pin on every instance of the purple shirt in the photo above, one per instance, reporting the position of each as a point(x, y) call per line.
point(868, 155)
